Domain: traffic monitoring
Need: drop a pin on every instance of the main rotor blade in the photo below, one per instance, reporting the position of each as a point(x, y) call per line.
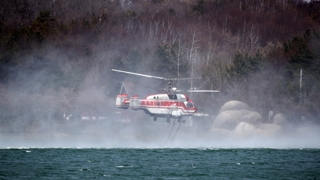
point(156, 77)
point(137, 74)
point(203, 90)
point(188, 78)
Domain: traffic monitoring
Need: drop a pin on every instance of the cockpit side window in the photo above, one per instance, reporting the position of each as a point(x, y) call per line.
point(189, 104)
point(173, 96)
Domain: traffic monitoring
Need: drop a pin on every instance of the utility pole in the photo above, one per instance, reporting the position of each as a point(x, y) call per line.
point(300, 101)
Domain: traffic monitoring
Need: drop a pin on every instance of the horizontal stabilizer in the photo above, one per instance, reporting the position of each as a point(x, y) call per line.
point(195, 90)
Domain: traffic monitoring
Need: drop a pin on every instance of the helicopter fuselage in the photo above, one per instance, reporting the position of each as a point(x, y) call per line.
point(159, 105)
point(168, 105)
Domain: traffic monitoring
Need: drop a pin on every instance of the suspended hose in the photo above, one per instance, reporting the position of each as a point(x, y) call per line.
point(176, 131)
point(174, 122)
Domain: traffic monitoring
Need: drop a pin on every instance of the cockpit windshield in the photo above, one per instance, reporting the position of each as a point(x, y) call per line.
point(189, 104)
point(181, 97)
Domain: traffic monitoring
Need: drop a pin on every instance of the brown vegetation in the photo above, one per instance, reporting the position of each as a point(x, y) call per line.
point(54, 51)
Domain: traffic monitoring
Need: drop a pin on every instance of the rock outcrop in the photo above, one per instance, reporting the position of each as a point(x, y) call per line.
point(237, 119)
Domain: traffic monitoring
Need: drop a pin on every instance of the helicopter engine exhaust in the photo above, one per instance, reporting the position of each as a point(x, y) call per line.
point(122, 101)
point(135, 102)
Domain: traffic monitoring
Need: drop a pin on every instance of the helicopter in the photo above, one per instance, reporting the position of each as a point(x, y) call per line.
point(170, 105)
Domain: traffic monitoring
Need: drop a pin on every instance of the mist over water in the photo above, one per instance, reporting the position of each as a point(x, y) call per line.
point(38, 118)
point(120, 133)
point(53, 83)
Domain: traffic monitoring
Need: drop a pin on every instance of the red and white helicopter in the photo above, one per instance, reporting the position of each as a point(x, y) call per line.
point(166, 105)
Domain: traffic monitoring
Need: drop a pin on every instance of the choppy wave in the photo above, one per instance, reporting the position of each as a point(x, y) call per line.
point(164, 163)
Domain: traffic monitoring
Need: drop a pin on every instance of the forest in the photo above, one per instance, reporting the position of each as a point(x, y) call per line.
point(56, 56)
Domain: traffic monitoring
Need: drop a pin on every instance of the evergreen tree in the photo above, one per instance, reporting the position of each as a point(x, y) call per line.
point(304, 56)
point(243, 66)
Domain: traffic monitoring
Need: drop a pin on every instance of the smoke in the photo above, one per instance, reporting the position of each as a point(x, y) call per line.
point(41, 109)
point(63, 95)
point(134, 129)
point(35, 113)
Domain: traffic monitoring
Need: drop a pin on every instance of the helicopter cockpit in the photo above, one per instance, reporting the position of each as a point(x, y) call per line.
point(189, 104)
point(179, 97)
point(173, 96)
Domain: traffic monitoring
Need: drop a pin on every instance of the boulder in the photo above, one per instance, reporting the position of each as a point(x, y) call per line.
point(234, 105)
point(270, 130)
point(231, 118)
point(280, 119)
point(245, 129)
point(270, 127)
point(264, 130)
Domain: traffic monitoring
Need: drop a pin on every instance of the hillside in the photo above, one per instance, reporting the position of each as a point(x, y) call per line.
point(56, 56)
